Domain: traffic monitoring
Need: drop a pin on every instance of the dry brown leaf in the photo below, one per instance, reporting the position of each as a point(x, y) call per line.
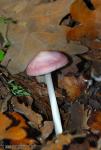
point(14, 128)
point(89, 20)
point(35, 118)
point(88, 30)
point(94, 122)
point(72, 68)
point(24, 141)
point(15, 132)
point(25, 144)
point(37, 29)
point(59, 142)
point(74, 86)
point(46, 129)
point(77, 117)
point(93, 55)
point(74, 142)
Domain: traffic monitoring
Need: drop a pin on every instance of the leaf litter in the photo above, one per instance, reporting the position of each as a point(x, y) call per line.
point(25, 114)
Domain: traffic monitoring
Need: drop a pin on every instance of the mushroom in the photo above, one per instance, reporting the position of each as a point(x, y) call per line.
point(43, 64)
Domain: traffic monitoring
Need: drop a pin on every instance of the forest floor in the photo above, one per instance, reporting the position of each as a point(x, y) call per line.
point(26, 29)
point(26, 119)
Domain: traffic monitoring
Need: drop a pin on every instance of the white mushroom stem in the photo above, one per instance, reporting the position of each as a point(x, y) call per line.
point(54, 105)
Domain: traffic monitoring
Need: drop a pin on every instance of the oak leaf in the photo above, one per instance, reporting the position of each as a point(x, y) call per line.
point(89, 20)
point(37, 29)
point(12, 132)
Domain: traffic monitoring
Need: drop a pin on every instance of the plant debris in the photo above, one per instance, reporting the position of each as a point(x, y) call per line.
point(26, 28)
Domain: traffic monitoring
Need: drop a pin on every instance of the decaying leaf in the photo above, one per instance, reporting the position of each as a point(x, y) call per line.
point(77, 117)
point(34, 118)
point(74, 86)
point(89, 20)
point(15, 129)
point(24, 144)
point(78, 142)
point(72, 68)
point(88, 29)
point(94, 122)
point(46, 129)
point(14, 133)
point(37, 29)
point(59, 142)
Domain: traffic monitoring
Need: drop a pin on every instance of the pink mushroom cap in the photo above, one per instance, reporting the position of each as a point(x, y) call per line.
point(46, 62)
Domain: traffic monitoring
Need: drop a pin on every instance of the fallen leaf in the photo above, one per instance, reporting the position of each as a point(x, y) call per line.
point(89, 26)
point(94, 122)
point(36, 31)
point(58, 143)
point(77, 117)
point(14, 133)
point(34, 118)
point(74, 86)
point(72, 69)
point(46, 129)
point(88, 29)
point(15, 129)
point(73, 142)
point(24, 141)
